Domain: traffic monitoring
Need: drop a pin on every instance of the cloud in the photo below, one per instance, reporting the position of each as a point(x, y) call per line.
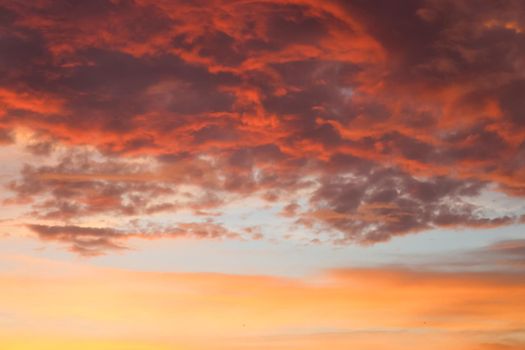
point(377, 119)
point(509, 254)
point(86, 241)
point(505, 257)
point(93, 241)
point(5, 137)
point(80, 185)
point(384, 202)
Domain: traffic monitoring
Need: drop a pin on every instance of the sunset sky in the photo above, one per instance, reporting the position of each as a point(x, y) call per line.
point(262, 174)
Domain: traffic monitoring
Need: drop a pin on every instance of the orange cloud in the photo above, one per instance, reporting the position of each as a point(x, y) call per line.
point(29, 102)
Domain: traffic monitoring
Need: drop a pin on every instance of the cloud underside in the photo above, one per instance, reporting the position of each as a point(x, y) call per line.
point(368, 119)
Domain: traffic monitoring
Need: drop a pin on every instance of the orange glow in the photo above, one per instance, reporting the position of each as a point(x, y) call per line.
point(64, 304)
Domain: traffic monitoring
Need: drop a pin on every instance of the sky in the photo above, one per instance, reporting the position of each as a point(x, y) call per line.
point(262, 174)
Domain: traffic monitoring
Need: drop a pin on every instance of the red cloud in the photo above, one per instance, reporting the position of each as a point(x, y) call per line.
point(397, 114)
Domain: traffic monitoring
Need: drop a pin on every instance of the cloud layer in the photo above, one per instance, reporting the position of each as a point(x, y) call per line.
point(367, 119)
